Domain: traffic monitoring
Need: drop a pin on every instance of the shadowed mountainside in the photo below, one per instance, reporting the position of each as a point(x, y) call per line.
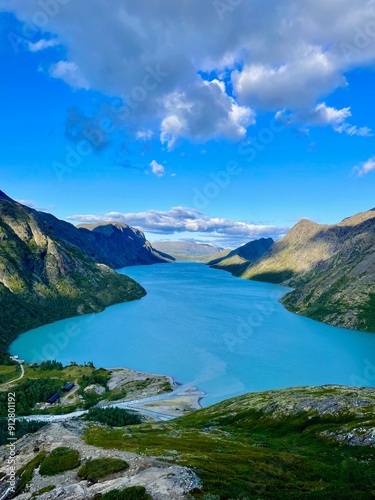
point(118, 245)
point(238, 260)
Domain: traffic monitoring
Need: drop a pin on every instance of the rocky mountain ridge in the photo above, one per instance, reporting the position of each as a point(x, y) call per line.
point(330, 267)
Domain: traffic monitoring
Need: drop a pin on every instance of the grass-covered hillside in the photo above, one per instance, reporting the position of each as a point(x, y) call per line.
point(44, 278)
point(331, 268)
point(315, 443)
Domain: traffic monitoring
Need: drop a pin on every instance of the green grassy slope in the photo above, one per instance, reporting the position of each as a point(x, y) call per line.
point(285, 444)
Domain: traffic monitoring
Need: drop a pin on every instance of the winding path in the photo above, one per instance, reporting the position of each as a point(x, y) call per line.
point(20, 362)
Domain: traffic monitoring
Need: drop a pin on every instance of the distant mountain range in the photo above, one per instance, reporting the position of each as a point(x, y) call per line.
point(50, 270)
point(330, 267)
point(238, 260)
point(186, 250)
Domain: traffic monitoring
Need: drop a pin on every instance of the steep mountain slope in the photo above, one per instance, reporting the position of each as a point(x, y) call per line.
point(44, 278)
point(119, 245)
point(331, 267)
point(186, 250)
point(238, 260)
point(114, 244)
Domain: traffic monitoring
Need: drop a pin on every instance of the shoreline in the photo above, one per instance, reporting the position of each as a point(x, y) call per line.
point(196, 397)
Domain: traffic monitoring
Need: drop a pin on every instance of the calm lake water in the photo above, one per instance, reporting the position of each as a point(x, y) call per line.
point(206, 328)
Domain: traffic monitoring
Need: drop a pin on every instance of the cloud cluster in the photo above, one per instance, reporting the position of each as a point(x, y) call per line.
point(365, 168)
point(322, 116)
point(179, 220)
point(288, 56)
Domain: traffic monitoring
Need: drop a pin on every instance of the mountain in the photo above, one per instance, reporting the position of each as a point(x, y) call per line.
point(186, 250)
point(114, 244)
point(330, 267)
point(238, 260)
point(119, 245)
point(44, 277)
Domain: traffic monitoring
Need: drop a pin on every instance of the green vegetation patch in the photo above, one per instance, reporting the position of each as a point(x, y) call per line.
point(60, 460)
point(115, 417)
point(132, 493)
point(366, 316)
point(99, 468)
point(244, 448)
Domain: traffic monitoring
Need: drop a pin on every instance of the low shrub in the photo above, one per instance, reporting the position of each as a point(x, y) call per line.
point(59, 460)
point(101, 467)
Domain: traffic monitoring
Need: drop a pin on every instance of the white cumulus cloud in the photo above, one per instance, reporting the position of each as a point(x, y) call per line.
point(322, 116)
point(366, 167)
point(179, 220)
point(42, 44)
point(157, 169)
point(282, 55)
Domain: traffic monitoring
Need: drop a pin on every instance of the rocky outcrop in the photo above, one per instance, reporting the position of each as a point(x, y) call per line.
point(330, 267)
point(236, 261)
point(162, 481)
point(45, 277)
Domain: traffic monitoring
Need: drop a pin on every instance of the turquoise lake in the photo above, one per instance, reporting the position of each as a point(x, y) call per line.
point(206, 328)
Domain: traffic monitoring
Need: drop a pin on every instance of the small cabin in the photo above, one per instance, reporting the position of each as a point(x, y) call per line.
point(68, 386)
point(52, 399)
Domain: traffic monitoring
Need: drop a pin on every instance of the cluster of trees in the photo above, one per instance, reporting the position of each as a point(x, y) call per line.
point(51, 365)
point(29, 393)
point(99, 376)
point(115, 417)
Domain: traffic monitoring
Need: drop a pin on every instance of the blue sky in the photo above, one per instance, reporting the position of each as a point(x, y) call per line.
point(246, 135)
